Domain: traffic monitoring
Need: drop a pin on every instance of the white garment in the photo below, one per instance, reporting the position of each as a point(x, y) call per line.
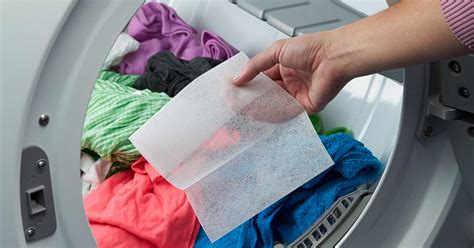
point(93, 172)
point(123, 45)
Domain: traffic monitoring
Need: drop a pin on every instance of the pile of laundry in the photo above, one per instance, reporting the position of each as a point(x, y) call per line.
point(128, 203)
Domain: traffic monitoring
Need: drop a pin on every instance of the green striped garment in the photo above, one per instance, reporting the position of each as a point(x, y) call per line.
point(115, 111)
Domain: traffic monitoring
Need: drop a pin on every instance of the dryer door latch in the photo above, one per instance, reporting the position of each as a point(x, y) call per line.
point(450, 107)
point(36, 195)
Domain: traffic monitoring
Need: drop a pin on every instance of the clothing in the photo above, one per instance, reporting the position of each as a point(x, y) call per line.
point(91, 153)
point(459, 14)
point(115, 111)
point(292, 215)
point(318, 127)
point(335, 130)
point(86, 161)
point(158, 28)
point(116, 168)
point(317, 123)
point(122, 46)
point(139, 208)
point(93, 173)
point(167, 73)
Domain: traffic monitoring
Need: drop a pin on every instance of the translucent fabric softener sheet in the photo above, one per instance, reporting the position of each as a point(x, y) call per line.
point(234, 150)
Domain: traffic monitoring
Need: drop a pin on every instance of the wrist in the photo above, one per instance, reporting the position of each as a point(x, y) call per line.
point(340, 54)
point(408, 33)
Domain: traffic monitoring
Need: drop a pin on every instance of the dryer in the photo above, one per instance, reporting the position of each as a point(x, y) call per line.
point(419, 121)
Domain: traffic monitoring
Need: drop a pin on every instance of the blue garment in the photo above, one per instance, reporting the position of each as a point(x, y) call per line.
point(291, 216)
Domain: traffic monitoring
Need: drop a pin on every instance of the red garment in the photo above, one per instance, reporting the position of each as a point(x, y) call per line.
point(139, 208)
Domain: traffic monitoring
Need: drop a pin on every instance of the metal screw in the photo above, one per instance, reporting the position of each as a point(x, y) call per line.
point(30, 232)
point(455, 66)
point(464, 92)
point(41, 165)
point(428, 131)
point(43, 120)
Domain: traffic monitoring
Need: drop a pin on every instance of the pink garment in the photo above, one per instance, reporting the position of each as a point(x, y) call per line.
point(158, 28)
point(139, 208)
point(459, 15)
point(222, 139)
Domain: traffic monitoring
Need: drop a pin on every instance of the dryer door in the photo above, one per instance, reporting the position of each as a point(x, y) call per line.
point(51, 54)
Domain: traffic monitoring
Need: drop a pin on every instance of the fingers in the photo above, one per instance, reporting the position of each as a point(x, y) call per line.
point(273, 73)
point(261, 62)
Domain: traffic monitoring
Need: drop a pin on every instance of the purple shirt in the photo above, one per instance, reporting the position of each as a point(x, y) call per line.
point(459, 15)
point(158, 28)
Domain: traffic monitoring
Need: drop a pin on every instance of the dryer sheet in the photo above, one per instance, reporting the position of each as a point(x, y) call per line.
point(233, 150)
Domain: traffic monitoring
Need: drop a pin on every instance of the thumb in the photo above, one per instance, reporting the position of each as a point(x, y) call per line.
point(260, 63)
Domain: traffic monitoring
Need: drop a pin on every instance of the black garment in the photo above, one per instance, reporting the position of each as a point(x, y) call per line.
point(167, 73)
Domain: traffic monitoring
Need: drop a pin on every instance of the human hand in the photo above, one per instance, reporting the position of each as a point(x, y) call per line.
point(314, 68)
point(302, 67)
